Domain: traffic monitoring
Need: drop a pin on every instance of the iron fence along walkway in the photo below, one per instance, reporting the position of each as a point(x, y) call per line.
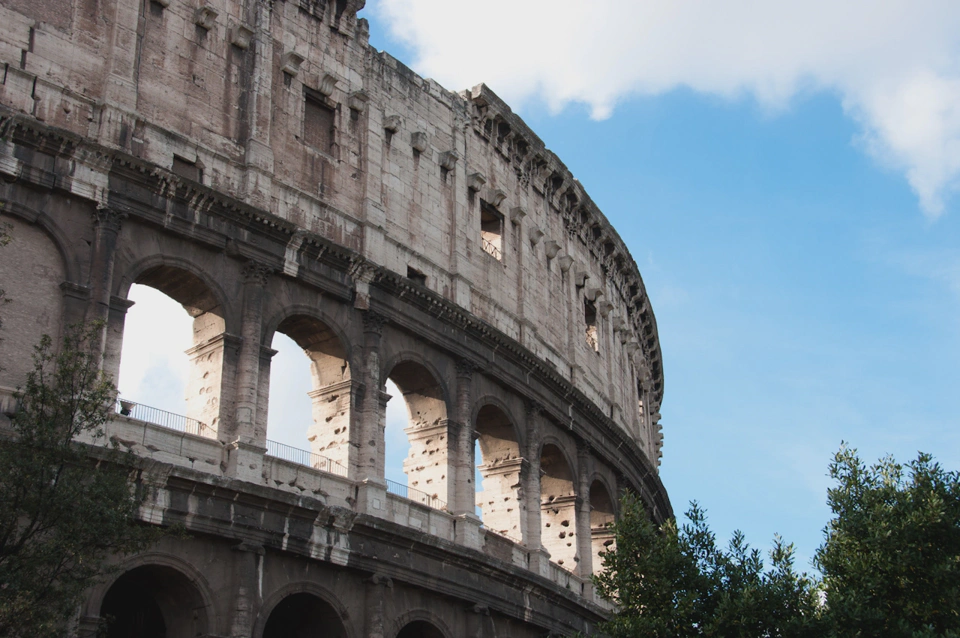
point(275, 449)
point(412, 494)
point(160, 417)
point(304, 457)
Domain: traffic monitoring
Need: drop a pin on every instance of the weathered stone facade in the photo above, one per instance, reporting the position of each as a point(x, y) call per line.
point(261, 164)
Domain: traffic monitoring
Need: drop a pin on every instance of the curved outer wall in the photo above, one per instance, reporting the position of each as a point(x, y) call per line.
point(265, 167)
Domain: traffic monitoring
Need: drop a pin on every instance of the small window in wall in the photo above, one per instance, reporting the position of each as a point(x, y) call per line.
point(590, 318)
point(491, 231)
point(318, 123)
point(416, 276)
point(187, 169)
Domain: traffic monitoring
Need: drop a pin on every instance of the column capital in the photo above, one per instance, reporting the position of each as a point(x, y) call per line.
point(255, 272)
point(373, 322)
point(532, 408)
point(466, 368)
point(108, 217)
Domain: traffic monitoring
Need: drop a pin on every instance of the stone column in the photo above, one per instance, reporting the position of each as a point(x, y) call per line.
point(584, 538)
point(245, 447)
point(246, 598)
point(463, 491)
point(377, 586)
point(539, 557)
point(106, 223)
point(259, 158)
point(370, 465)
point(478, 617)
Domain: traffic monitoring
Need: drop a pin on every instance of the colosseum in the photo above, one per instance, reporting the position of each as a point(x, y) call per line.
point(261, 164)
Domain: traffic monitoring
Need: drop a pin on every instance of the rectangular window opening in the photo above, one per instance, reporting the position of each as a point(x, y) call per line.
point(187, 169)
point(318, 124)
point(416, 276)
point(590, 317)
point(491, 231)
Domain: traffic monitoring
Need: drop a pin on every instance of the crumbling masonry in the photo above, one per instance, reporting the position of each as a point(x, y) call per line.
point(261, 164)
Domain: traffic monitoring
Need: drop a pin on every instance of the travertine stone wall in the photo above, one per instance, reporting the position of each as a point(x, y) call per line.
point(262, 165)
point(225, 89)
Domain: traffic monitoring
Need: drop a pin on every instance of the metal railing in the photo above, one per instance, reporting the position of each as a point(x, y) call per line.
point(491, 249)
point(304, 457)
point(412, 494)
point(160, 417)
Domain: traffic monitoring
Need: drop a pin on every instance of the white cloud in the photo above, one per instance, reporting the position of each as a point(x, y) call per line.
point(895, 64)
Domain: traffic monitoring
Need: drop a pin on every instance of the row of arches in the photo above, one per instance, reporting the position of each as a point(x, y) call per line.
point(158, 600)
point(470, 443)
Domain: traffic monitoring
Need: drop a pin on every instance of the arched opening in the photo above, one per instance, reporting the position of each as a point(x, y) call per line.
point(601, 517)
point(420, 629)
point(558, 508)
point(328, 393)
point(500, 463)
point(154, 601)
point(304, 616)
point(156, 382)
point(427, 462)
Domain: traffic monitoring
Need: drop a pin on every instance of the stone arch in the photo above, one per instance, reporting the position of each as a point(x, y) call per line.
point(314, 589)
point(500, 466)
point(212, 357)
point(156, 595)
point(420, 623)
point(34, 266)
point(301, 612)
point(332, 386)
point(603, 512)
point(65, 246)
point(558, 505)
point(428, 464)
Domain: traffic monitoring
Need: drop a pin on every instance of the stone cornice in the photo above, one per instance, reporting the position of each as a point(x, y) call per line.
point(214, 217)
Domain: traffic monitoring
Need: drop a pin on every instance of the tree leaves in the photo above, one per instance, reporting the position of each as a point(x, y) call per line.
point(64, 507)
point(890, 563)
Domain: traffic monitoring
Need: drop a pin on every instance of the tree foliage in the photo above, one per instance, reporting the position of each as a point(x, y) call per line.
point(891, 557)
point(890, 563)
point(63, 510)
point(671, 582)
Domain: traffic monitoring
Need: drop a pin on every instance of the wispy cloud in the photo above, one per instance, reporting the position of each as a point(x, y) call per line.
point(895, 65)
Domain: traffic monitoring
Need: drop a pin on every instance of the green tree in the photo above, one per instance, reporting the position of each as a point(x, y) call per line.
point(64, 507)
point(671, 582)
point(891, 557)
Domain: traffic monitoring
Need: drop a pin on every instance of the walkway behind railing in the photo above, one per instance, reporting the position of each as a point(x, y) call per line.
point(275, 449)
point(304, 457)
point(403, 491)
point(160, 417)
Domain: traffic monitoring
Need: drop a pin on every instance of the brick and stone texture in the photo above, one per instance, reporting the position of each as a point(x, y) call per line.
point(261, 164)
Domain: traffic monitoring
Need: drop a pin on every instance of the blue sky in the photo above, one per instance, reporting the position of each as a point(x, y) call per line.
point(796, 228)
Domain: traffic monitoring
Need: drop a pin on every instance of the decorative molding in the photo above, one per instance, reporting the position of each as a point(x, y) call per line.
point(255, 273)
point(551, 248)
point(108, 218)
point(495, 196)
point(580, 277)
point(535, 234)
point(565, 261)
point(448, 160)
point(327, 85)
point(357, 101)
point(475, 181)
point(420, 141)
point(241, 36)
point(290, 64)
point(517, 213)
point(205, 17)
point(392, 123)
point(373, 322)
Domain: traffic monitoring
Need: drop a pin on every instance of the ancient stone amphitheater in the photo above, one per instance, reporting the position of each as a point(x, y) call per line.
point(261, 164)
